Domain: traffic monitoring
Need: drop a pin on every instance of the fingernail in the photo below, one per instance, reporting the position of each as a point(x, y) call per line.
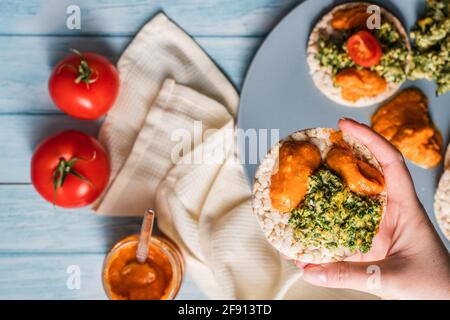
point(348, 119)
point(285, 257)
point(300, 264)
point(315, 274)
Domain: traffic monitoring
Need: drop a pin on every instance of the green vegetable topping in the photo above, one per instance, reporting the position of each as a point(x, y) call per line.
point(431, 59)
point(331, 215)
point(395, 54)
point(333, 53)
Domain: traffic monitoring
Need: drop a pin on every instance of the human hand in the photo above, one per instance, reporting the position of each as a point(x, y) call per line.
point(412, 260)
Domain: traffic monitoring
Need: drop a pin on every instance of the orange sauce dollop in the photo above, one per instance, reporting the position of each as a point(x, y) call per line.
point(357, 84)
point(130, 280)
point(346, 19)
point(405, 122)
point(297, 160)
point(358, 175)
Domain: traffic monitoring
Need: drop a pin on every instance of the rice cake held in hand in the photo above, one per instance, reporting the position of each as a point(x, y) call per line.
point(332, 200)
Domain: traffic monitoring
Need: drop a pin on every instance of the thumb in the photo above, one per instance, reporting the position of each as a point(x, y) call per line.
point(362, 276)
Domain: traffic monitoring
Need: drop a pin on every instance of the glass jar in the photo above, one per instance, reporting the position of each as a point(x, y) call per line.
point(122, 255)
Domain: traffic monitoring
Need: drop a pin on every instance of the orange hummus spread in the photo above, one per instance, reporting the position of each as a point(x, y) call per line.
point(405, 122)
point(358, 175)
point(354, 17)
point(297, 160)
point(356, 84)
point(130, 280)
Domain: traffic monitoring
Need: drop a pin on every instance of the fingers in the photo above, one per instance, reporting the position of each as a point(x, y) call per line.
point(398, 180)
point(301, 265)
point(285, 257)
point(298, 263)
point(360, 276)
point(382, 149)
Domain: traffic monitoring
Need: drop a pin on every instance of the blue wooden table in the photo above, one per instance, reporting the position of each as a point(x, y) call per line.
point(39, 245)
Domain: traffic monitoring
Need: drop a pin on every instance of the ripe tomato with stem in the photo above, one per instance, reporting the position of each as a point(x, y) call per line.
point(84, 85)
point(70, 169)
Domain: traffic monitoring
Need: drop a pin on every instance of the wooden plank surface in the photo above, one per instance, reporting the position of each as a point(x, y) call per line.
point(45, 276)
point(27, 62)
point(27, 114)
point(21, 133)
point(38, 242)
point(31, 225)
point(125, 17)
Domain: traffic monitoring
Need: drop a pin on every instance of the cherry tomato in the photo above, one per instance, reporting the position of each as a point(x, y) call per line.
point(364, 49)
point(70, 169)
point(84, 85)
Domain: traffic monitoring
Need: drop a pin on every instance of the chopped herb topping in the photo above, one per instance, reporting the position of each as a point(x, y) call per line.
point(331, 215)
point(431, 59)
point(333, 53)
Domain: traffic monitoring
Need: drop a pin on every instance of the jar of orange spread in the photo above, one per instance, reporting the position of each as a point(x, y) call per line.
point(159, 278)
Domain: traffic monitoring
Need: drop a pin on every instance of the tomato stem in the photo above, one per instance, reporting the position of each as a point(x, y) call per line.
point(65, 168)
point(84, 71)
point(67, 65)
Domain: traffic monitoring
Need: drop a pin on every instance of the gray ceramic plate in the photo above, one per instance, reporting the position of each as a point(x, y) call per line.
point(279, 93)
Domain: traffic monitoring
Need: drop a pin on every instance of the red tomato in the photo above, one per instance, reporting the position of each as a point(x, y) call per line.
point(70, 169)
point(84, 86)
point(364, 49)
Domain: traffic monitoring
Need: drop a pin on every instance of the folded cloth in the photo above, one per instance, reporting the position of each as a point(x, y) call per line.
point(171, 139)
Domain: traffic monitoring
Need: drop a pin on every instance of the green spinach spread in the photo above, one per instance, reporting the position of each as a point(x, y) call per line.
point(331, 215)
point(431, 58)
point(332, 52)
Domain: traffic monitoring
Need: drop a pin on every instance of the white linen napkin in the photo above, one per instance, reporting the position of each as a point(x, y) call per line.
point(171, 140)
